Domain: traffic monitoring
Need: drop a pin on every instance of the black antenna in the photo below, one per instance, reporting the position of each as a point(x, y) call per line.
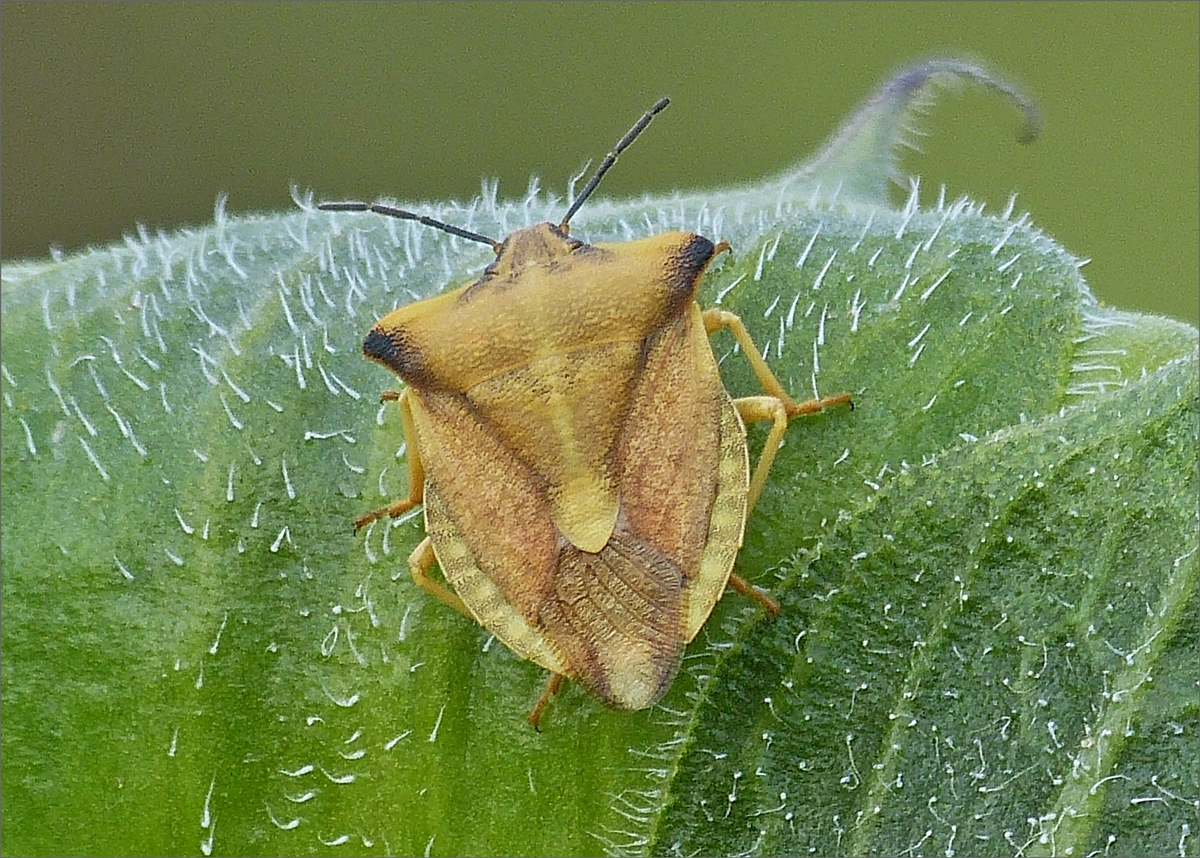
point(391, 211)
point(611, 158)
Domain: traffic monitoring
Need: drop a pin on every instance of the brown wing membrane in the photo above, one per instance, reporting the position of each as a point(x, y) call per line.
point(612, 620)
point(616, 619)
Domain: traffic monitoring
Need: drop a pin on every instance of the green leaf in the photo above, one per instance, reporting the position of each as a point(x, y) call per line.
point(198, 654)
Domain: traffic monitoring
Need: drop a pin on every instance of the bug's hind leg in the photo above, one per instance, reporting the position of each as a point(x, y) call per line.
point(552, 686)
point(741, 585)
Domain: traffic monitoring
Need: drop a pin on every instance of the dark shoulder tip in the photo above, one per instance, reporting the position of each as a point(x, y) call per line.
point(378, 346)
point(391, 349)
point(687, 262)
point(697, 252)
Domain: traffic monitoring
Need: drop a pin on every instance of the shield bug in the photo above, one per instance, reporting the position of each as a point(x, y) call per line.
point(584, 473)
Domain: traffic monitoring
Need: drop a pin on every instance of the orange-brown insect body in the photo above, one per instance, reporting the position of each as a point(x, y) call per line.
point(583, 463)
point(584, 473)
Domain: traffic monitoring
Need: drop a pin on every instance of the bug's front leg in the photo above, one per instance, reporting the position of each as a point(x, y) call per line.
point(777, 406)
point(416, 471)
point(715, 319)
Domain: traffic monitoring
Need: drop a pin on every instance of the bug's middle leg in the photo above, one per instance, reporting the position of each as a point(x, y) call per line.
point(416, 471)
point(776, 406)
point(753, 409)
point(419, 563)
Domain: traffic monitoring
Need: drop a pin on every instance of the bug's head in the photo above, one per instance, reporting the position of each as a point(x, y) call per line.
point(540, 244)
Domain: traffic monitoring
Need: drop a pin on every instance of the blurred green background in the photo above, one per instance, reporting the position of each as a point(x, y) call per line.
point(116, 114)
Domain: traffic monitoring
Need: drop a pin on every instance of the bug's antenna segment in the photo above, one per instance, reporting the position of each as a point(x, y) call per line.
point(611, 158)
point(391, 211)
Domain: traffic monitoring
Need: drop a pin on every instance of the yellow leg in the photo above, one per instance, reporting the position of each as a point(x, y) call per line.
point(552, 685)
point(419, 563)
point(422, 559)
point(715, 319)
point(813, 406)
point(752, 409)
point(416, 472)
point(755, 408)
point(776, 406)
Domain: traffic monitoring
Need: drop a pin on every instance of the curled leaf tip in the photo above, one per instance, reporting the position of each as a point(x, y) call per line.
point(908, 83)
point(861, 159)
